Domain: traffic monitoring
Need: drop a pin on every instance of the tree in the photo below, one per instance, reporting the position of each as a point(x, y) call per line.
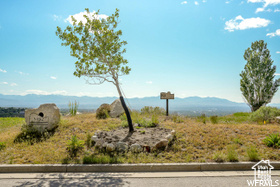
point(257, 82)
point(97, 45)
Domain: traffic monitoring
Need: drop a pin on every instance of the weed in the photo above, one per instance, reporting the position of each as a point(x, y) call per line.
point(202, 118)
point(88, 141)
point(214, 119)
point(219, 157)
point(252, 154)
point(177, 119)
point(232, 155)
point(152, 110)
point(74, 146)
point(73, 108)
point(237, 141)
point(155, 120)
point(142, 132)
point(103, 111)
point(272, 140)
point(2, 145)
point(100, 159)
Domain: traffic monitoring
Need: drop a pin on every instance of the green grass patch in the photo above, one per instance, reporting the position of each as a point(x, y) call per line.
point(10, 122)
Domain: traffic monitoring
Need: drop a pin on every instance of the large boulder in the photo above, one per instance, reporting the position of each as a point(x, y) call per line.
point(116, 109)
point(46, 117)
point(103, 111)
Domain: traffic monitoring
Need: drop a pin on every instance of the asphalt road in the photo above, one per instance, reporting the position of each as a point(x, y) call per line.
point(170, 179)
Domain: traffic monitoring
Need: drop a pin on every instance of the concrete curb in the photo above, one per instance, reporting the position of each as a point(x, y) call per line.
point(157, 167)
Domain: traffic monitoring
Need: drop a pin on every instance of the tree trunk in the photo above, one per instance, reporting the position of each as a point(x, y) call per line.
point(129, 121)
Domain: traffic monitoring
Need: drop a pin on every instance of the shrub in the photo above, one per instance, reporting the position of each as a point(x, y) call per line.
point(202, 118)
point(232, 155)
point(103, 111)
point(73, 108)
point(219, 157)
point(32, 135)
point(265, 114)
point(177, 119)
point(100, 159)
point(237, 141)
point(214, 119)
point(272, 140)
point(88, 140)
point(155, 120)
point(152, 110)
point(2, 145)
point(74, 146)
point(252, 154)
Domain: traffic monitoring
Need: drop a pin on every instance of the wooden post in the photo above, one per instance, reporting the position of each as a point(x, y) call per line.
point(166, 96)
point(166, 107)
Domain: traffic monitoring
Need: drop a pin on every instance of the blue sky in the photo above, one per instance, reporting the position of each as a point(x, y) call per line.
point(191, 48)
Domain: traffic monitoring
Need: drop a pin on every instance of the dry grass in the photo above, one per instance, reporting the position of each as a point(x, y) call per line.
point(196, 142)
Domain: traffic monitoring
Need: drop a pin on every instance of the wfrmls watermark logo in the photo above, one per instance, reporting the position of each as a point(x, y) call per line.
point(263, 175)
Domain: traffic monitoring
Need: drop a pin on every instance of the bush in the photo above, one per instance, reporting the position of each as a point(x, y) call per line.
point(2, 145)
point(219, 157)
point(88, 141)
point(103, 111)
point(202, 118)
point(272, 140)
point(152, 110)
point(265, 114)
point(73, 108)
point(74, 146)
point(177, 119)
point(232, 155)
point(252, 154)
point(214, 119)
point(32, 135)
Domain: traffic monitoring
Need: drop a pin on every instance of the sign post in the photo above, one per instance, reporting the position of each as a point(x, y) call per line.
point(166, 95)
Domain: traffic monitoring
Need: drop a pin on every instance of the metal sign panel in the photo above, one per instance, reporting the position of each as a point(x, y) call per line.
point(168, 95)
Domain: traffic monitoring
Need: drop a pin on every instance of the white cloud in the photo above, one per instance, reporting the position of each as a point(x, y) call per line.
point(277, 74)
point(255, 1)
point(14, 84)
point(52, 77)
point(3, 71)
point(204, 1)
point(21, 73)
point(80, 17)
point(278, 52)
point(266, 3)
point(277, 10)
point(184, 2)
point(272, 34)
point(239, 23)
point(4, 83)
point(196, 3)
point(57, 18)
point(41, 92)
point(242, 2)
point(149, 82)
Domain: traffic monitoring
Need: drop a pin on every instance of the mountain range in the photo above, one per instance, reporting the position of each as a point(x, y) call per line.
point(186, 106)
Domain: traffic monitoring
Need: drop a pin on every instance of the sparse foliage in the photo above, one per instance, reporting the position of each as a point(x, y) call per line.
point(257, 82)
point(74, 146)
point(99, 50)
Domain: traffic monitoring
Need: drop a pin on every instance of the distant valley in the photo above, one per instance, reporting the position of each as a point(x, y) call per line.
point(192, 106)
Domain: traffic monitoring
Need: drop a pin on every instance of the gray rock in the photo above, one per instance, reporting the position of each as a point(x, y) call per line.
point(277, 119)
point(121, 147)
point(99, 143)
point(169, 137)
point(135, 148)
point(116, 109)
point(173, 132)
point(47, 116)
point(110, 147)
point(94, 138)
point(161, 144)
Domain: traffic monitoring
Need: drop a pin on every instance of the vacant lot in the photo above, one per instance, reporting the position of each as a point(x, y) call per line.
point(197, 140)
